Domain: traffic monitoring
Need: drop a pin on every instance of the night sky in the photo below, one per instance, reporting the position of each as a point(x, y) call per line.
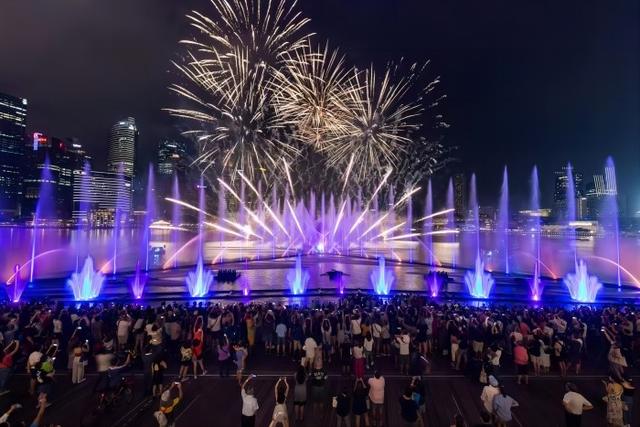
point(528, 82)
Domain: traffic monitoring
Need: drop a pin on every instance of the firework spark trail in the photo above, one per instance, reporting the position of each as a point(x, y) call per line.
point(389, 230)
point(366, 207)
point(335, 227)
point(265, 204)
point(295, 219)
point(223, 229)
point(244, 206)
point(286, 168)
point(439, 232)
point(187, 205)
point(348, 172)
point(444, 212)
point(402, 236)
point(406, 195)
point(243, 228)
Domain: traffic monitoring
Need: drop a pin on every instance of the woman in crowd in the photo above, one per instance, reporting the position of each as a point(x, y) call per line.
point(360, 403)
point(300, 394)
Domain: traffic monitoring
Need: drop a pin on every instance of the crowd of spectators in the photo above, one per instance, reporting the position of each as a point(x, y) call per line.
point(350, 336)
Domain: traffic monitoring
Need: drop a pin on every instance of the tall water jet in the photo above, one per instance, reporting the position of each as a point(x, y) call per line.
point(44, 208)
point(222, 209)
point(202, 207)
point(14, 291)
point(451, 218)
point(582, 287)
point(478, 282)
point(176, 218)
point(298, 277)
point(410, 222)
point(139, 282)
point(610, 213)
point(570, 215)
point(535, 284)
point(427, 226)
point(117, 219)
point(87, 283)
point(199, 280)
point(382, 278)
point(503, 218)
point(149, 216)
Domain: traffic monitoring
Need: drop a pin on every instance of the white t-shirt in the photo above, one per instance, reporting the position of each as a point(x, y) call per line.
point(355, 326)
point(310, 347)
point(368, 344)
point(34, 358)
point(404, 341)
point(249, 404)
point(488, 393)
point(376, 329)
point(123, 327)
point(575, 402)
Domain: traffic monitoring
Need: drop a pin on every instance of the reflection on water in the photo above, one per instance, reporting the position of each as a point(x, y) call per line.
point(61, 249)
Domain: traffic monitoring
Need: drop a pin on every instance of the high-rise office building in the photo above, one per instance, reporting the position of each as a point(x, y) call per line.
point(53, 160)
point(459, 195)
point(13, 121)
point(172, 158)
point(560, 191)
point(98, 197)
point(123, 140)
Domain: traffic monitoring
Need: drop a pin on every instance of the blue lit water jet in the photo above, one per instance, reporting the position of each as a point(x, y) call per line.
point(427, 226)
point(298, 278)
point(149, 216)
point(382, 278)
point(479, 283)
point(199, 280)
point(581, 286)
point(87, 283)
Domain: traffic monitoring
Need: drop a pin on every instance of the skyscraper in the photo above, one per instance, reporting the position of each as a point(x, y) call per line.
point(13, 121)
point(459, 195)
point(123, 140)
point(560, 191)
point(172, 158)
point(99, 196)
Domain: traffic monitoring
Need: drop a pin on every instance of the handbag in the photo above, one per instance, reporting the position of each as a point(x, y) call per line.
point(483, 376)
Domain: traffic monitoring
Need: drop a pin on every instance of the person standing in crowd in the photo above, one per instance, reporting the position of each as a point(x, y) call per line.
point(157, 369)
point(6, 364)
point(166, 412)
point(309, 347)
point(376, 396)
point(521, 359)
point(342, 404)
point(574, 405)
point(122, 326)
point(409, 409)
point(198, 347)
point(615, 405)
point(489, 391)
point(224, 357)
point(280, 412)
point(300, 394)
point(345, 356)
point(502, 406)
point(359, 408)
point(627, 398)
point(318, 384)
point(186, 354)
point(79, 351)
point(281, 335)
point(240, 361)
point(404, 341)
point(249, 403)
point(367, 346)
point(358, 359)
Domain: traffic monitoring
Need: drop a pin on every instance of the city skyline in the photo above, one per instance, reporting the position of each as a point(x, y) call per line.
point(600, 122)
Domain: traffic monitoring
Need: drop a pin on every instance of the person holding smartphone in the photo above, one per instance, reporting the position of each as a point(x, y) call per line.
point(249, 403)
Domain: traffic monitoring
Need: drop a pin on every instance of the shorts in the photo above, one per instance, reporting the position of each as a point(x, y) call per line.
point(404, 359)
point(295, 403)
point(185, 362)
point(478, 346)
point(522, 369)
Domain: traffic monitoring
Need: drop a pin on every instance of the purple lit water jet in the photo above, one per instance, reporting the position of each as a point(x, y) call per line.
point(139, 282)
point(503, 219)
point(199, 280)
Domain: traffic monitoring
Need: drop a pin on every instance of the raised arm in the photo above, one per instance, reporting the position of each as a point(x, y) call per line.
point(286, 387)
point(247, 380)
point(275, 389)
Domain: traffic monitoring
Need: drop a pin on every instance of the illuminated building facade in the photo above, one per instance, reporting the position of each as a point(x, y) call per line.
point(13, 121)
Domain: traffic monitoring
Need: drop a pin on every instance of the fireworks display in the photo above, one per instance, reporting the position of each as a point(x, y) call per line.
point(262, 97)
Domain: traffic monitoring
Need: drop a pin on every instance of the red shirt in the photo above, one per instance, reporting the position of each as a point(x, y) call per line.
point(520, 355)
point(7, 361)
